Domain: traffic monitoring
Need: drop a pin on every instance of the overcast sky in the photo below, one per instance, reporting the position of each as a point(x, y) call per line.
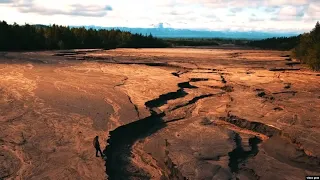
point(243, 15)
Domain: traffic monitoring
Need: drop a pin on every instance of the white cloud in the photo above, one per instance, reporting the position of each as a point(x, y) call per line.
point(285, 2)
point(288, 11)
point(290, 15)
point(64, 8)
point(313, 11)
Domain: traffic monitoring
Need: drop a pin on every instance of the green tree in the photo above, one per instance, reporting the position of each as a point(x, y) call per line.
point(29, 37)
point(308, 50)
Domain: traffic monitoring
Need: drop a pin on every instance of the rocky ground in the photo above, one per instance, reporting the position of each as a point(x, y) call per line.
point(183, 113)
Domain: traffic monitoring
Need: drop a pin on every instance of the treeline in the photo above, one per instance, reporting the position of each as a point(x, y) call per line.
point(277, 43)
point(204, 41)
point(308, 49)
point(305, 47)
point(192, 42)
point(32, 37)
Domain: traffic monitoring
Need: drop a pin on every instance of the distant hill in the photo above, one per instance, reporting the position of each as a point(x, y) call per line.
point(188, 33)
point(40, 25)
point(166, 32)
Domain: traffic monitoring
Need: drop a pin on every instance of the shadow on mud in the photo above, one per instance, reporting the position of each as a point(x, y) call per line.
point(239, 155)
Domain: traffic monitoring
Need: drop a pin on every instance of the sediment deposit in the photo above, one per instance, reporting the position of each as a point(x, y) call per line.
point(180, 113)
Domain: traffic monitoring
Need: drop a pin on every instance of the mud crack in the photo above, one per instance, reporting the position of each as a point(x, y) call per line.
point(135, 107)
point(121, 140)
point(251, 125)
point(192, 101)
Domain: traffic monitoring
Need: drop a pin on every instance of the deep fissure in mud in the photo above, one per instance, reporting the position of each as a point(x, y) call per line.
point(162, 100)
point(239, 155)
point(253, 126)
point(121, 139)
point(187, 85)
point(192, 101)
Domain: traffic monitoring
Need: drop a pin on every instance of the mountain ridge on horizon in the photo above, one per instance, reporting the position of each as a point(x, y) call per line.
point(168, 32)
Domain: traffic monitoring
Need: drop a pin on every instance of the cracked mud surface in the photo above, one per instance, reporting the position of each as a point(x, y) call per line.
point(160, 113)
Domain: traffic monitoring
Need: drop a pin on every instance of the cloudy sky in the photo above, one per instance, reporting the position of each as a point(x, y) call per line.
point(240, 15)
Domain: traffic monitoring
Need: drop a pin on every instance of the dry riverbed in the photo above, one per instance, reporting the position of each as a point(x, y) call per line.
point(178, 113)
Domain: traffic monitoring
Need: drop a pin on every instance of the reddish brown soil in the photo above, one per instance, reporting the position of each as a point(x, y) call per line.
point(170, 113)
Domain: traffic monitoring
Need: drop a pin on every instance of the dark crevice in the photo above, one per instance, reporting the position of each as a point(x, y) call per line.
point(187, 85)
point(223, 80)
point(192, 101)
point(292, 63)
point(287, 85)
point(252, 126)
point(68, 53)
point(81, 55)
point(261, 93)
point(179, 73)
point(198, 79)
point(278, 109)
point(135, 107)
point(239, 155)
point(205, 72)
point(162, 99)
point(153, 64)
point(121, 140)
point(176, 74)
point(224, 88)
point(286, 92)
point(92, 58)
point(284, 69)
